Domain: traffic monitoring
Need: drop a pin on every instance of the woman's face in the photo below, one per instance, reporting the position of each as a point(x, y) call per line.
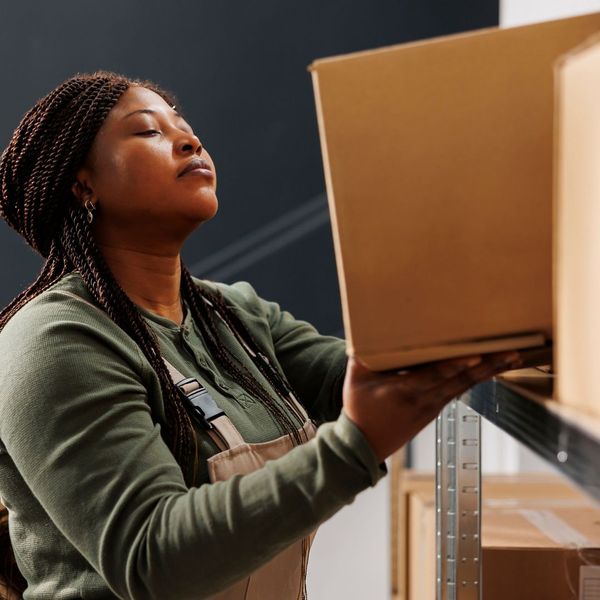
point(133, 172)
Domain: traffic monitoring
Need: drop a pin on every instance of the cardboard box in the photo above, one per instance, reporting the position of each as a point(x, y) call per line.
point(577, 252)
point(532, 549)
point(402, 484)
point(438, 164)
point(413, 537)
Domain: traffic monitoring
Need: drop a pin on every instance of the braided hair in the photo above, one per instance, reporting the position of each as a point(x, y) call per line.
point(37, 170)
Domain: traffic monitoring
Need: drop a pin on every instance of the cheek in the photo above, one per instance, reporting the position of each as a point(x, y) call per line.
point(127, 171)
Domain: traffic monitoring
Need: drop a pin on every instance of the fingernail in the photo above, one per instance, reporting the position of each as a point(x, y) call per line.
point(471, 361)
point(512, 361)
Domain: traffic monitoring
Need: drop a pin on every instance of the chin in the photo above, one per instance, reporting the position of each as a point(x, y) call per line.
point(206, 208)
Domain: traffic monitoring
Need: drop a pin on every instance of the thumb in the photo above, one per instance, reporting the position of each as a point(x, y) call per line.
point(357, 370)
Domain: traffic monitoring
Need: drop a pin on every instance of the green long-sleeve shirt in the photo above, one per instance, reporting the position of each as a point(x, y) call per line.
point(98, 506)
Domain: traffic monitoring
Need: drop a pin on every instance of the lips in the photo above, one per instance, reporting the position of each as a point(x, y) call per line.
point(195, 163)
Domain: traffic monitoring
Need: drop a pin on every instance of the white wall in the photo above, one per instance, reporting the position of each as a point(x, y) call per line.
point(350, 556)
point(522, 12)
point(499, 452)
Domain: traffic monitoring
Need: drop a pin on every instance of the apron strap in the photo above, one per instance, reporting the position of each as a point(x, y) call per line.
point(217, 424)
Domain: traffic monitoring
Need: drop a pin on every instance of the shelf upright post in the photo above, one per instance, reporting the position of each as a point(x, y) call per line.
point(458, 503)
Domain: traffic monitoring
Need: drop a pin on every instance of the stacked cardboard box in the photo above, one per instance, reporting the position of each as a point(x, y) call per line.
point(537, 534)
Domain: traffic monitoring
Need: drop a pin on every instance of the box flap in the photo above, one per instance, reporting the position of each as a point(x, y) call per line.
point(577, 247)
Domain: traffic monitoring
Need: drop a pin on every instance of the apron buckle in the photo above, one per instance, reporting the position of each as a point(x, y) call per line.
point(204, 408)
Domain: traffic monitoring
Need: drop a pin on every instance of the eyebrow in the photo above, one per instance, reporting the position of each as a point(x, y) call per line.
point(147, 111)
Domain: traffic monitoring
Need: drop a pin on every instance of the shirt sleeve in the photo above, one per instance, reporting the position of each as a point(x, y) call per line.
point(314, 364)
point(75, 420)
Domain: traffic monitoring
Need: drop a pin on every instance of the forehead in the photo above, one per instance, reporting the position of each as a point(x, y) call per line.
point(137, 97)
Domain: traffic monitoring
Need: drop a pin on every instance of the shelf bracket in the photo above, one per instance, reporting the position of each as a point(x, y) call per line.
point(458, 503)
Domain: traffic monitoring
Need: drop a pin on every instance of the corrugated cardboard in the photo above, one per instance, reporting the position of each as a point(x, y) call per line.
point(577, 249)
point(397, 517)
point(532, 548)
point(414, 505)
point(438, 165)
point(403, 484)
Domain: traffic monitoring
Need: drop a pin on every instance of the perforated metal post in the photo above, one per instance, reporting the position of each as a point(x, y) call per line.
point(458, 503)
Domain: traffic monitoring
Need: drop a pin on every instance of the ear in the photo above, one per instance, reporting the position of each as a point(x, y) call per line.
point(82, 187)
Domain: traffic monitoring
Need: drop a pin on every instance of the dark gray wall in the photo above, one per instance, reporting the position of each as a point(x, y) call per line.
point(239, 71)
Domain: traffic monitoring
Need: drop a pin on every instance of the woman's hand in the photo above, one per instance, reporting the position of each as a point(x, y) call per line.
point(391, 407)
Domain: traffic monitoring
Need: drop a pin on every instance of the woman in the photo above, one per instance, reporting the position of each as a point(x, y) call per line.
point(158, 431)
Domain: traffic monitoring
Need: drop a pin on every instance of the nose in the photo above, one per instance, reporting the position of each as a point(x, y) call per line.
point(190, 142)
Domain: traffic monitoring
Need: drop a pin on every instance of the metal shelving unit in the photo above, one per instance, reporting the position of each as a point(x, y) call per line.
point(520, 403)
point(458, 502)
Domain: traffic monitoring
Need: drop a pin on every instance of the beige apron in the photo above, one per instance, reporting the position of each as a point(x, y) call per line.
point(284, 576)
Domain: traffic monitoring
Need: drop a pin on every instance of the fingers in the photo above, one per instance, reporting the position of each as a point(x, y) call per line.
point(412, 399)
point(438, 379)
point(463, 381)
point(439, 370)
point(427, 377)
point(357, 370)
point(422, 379)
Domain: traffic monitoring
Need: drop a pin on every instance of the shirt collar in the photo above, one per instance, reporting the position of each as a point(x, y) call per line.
point(167, 323)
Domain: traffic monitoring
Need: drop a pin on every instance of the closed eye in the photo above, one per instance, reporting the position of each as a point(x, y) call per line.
point(147, 132)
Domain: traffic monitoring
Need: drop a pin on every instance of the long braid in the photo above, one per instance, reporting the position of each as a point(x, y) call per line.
point(37, 169)
point(82, 251)
point(219, 305)
point(205, 315)
point(272, 375)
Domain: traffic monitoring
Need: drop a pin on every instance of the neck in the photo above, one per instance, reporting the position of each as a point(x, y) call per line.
point(153, 281)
